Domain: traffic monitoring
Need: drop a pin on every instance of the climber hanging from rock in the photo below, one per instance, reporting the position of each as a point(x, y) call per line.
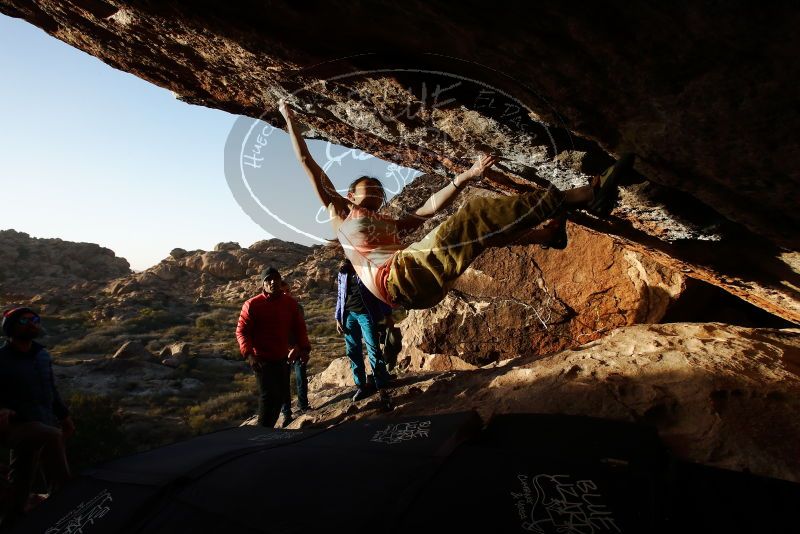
point(418, 275)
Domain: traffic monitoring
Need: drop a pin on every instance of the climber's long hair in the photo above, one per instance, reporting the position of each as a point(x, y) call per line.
point(372, 179)
point(352, 189)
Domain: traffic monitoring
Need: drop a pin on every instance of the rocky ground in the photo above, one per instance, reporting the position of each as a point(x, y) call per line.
point(719, 395)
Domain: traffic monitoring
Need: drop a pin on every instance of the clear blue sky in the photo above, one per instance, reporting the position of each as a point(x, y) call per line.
point(90, 153)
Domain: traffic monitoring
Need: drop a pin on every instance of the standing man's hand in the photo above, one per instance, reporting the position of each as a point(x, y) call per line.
point(254, 364)
point(5, 418)
point(339, 328)
point(67, 427)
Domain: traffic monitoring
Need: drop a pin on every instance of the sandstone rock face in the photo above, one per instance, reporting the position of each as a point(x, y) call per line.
point(565, 89)
point(31, 265)
point(718, 395)
point(524, 300)
point(337, 375)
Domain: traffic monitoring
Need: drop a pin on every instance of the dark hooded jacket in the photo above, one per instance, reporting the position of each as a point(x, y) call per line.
point(28, 387)
point(376, 309)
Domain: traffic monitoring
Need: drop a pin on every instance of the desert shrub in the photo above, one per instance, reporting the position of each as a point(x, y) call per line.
point(178, 332)
point(92, 343)
point(205, 322)
point(68, 326)
point(150, 319)
point(220, 412)
point(220, 317)
point(323, 329)
point(234, 307)
point(220, 324)
point(98, 436)
point(319, 308)
point(230, 350)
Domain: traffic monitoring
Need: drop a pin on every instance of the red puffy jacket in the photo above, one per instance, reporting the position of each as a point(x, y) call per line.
point(266, 325)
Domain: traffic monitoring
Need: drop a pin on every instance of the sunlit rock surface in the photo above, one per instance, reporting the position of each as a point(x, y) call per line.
point(719, 395)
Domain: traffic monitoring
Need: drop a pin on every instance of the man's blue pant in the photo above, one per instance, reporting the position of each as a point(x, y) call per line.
point(358, 327)
point(301, 381)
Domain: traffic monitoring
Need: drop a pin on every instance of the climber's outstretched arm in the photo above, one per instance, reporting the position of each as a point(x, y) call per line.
point(321, 182)
point(443, 197)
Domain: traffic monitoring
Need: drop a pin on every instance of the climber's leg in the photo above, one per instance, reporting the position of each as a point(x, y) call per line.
point(544, 235)
point(420, 274)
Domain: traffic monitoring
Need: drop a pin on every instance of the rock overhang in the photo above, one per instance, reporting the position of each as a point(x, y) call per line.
point(699, 94)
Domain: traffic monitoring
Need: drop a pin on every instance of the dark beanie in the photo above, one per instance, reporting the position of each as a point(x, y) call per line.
point(10, 317)
point(269, 271)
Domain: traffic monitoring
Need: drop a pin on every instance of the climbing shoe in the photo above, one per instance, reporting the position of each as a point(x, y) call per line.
point(606, 193)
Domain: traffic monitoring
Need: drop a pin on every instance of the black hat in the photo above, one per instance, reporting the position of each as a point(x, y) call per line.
point(268, 272)
point(10, 317)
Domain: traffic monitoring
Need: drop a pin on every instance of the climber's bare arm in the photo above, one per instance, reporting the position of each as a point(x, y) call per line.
point(443, 197)
point(321, 182)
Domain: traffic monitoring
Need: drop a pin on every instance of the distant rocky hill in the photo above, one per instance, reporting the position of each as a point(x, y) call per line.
point(158, 347)
point(64, 277)
point(228, 273)
point(30, 265)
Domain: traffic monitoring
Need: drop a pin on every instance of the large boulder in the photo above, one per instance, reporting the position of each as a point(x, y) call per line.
point(175, 354)
point(133, 350)
point(336, 375)
point(230, 245)
point(524, 300)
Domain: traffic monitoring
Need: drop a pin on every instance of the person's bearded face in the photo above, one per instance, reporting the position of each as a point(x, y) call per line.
point(28, 327)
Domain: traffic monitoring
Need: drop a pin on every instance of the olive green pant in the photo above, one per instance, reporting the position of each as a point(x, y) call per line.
point(421, 274)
